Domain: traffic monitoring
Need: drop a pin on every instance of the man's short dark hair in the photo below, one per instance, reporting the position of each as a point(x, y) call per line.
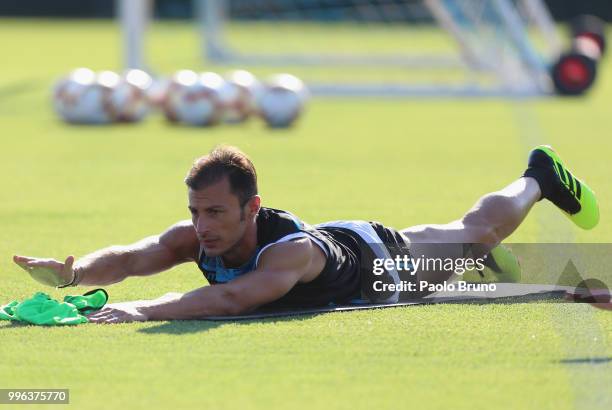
point(225, 161)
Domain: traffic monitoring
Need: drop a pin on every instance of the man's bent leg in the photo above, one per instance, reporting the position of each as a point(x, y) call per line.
point(493, 218)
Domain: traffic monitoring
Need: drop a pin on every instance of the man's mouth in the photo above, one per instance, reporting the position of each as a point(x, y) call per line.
point(209, 242)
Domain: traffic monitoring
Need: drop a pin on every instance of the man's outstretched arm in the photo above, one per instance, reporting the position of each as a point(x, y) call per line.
point(154, 254)
point(279, 269)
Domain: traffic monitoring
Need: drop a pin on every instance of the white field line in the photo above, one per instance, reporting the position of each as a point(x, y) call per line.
point(580, 333)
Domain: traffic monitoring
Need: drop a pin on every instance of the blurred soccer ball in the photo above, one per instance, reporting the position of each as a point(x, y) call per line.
point(129, 99)
point(167, 94)
point(239, 96)
point(158, 92)
point(68, 93)
point(194, 99)
point(282, 100)
point(84, 97)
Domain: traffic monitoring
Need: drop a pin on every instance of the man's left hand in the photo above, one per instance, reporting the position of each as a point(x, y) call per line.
point(120, 313)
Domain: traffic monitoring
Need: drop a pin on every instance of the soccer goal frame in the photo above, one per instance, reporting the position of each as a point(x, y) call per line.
point(527, 74)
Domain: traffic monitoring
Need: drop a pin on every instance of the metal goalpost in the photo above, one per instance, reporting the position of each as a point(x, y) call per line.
point(491, 36)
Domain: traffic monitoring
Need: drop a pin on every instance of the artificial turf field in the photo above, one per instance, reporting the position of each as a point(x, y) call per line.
point(72, 190)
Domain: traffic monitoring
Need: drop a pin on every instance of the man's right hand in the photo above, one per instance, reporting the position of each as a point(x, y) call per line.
point(48, 271)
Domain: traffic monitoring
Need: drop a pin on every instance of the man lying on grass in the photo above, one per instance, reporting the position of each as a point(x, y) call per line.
point(255, 256)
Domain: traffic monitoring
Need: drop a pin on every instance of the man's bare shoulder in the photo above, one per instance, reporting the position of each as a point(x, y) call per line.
point(181, 238)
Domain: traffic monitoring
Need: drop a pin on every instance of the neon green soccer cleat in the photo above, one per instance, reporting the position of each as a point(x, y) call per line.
point(501, 266)
point(558, 185)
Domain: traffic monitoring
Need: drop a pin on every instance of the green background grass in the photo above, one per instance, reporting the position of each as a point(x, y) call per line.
point(71, 190)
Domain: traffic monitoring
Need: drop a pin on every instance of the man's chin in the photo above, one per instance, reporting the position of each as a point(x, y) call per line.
point(212, 250)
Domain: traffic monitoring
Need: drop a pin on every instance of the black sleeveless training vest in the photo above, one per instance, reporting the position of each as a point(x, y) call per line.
point(349, 258)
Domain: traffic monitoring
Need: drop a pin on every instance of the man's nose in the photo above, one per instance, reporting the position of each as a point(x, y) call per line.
point(201, 226)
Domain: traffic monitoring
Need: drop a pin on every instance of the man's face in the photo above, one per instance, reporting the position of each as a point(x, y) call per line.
point(218, 218)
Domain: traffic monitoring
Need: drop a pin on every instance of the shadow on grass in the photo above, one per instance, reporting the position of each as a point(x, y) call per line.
point(20, 87)
point(545, 297)
point(13, 324)
point(179, 327)
point(587, 360)
point(182, 327)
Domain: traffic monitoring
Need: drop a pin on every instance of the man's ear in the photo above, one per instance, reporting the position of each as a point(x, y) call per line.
point(254, 205)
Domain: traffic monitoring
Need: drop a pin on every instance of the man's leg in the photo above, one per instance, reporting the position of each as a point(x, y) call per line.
point(493, 218)
point(496, 215)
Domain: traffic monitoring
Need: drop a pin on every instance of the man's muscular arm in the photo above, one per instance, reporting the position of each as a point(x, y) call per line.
point(178, 244)
point(280, 268)
point(154, 254)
